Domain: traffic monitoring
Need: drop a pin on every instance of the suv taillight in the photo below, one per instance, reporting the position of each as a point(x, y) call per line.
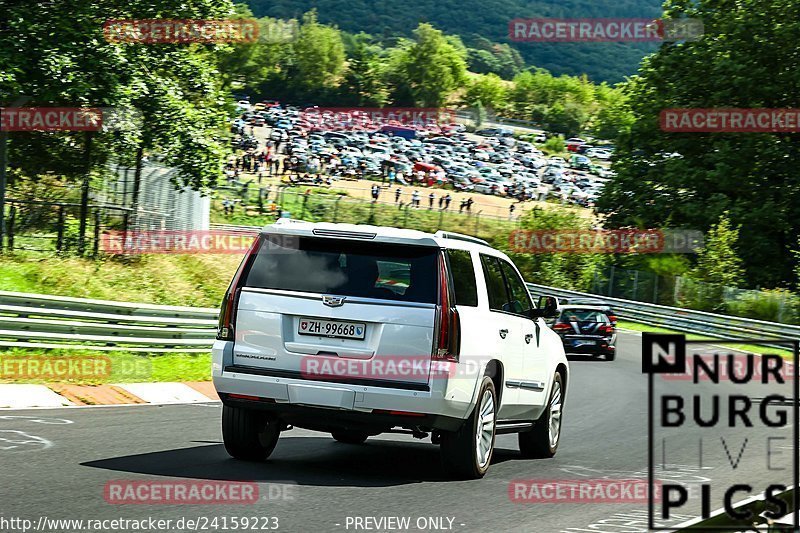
point(227, 312)
point(561, 326)
point(447, 341)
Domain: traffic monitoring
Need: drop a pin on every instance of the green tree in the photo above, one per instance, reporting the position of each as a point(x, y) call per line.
point(318, 59)
point(613, 115)
point(249, 65)
point(487, 89)
point(691, 179)
point(365, 78)
point(569, 118)
point(433, 66)
point(718, 261)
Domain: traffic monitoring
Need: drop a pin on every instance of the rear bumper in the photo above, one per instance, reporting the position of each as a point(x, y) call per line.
point(443, 404)
point(601, 346)
point(329, 420)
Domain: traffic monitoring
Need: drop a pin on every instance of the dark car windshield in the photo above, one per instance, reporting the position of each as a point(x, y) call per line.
point(345, 267)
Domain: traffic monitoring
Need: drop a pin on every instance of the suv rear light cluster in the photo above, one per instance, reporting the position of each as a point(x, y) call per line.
point(227, 312)
point(607, 329)
point(561, 326)
point(447, 338)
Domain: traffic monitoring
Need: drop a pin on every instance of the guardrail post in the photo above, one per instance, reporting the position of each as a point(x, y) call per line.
point(11, 218)
point(96, 248)
point(60, 229)
point(305, 201)
point(336, 207)
point(655, 288)
point(610, 291)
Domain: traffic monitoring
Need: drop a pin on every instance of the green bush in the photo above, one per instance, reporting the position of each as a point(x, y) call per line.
point(554, 145)
point(774, 305)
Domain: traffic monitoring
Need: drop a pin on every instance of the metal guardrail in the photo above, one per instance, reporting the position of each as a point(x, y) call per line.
point(684, 320)
point(45, 321)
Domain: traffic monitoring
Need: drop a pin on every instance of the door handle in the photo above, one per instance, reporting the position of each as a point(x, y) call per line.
point(528, 338)
point(503, 333)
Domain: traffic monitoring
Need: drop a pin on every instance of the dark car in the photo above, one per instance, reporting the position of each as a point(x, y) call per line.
point(586, 330)
point(612, 315)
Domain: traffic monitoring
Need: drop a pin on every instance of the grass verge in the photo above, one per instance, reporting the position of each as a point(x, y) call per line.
point(752, 348)
point(195, 280)
point(87, 367)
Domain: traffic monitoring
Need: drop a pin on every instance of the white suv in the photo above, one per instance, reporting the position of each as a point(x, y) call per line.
point(361, 330)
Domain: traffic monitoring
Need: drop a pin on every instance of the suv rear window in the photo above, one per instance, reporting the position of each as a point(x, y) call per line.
point(343, 267)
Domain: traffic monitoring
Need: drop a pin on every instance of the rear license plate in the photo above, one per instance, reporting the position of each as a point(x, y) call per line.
point(332, 328)
point(583, 343)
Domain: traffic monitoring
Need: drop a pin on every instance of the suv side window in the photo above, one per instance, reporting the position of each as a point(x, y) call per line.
point(520, 302)
point(495, 286)
point(466, 288)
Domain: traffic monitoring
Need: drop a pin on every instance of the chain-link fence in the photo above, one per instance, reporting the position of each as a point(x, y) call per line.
point(247, 204)
point(56, 226)
point(159, 203)
point(774, 305)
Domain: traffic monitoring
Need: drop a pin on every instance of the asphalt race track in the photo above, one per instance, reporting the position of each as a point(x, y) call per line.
point(312, 483)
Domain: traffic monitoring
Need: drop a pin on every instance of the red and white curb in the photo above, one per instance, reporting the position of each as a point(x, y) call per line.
point(18, 396)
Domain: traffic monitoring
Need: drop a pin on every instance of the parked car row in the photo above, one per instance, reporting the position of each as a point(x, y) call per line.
point(493, 162)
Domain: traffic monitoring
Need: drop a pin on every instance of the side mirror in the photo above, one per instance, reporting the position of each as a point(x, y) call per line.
point(547, 307)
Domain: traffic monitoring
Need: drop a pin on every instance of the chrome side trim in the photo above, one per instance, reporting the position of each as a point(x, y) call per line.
point(528, 385)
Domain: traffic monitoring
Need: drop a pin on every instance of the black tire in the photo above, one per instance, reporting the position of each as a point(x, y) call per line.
point(350, 437)
point(610, 356)
point(536, 443)
point(459, 448)
point(249, 435)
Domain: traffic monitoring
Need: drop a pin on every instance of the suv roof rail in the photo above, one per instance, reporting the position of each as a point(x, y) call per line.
point(459, 237)
point(281, 221)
